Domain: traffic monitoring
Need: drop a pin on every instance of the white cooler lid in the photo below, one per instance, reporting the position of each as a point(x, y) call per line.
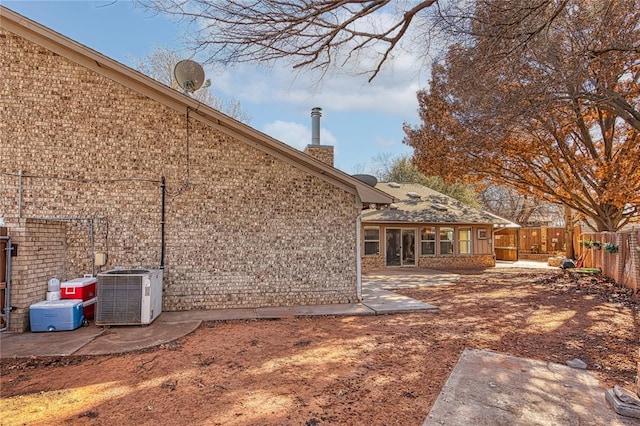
point(62, 303)
point(79, 282)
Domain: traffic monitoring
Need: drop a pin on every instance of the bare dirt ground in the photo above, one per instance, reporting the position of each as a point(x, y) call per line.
point(376, 370)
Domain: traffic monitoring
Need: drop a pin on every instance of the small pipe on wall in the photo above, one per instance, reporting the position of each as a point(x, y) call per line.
point(20, 194)
point(163, 186)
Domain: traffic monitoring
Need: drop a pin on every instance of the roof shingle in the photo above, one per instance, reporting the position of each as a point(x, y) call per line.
point(419, 204)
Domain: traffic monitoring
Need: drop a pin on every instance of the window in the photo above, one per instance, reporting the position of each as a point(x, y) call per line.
point(482, 233)
point(428, 240)
point(371, 241)
point(446, 240)
point(464, 240)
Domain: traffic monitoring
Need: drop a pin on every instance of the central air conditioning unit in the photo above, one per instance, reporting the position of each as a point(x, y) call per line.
point(128, 296)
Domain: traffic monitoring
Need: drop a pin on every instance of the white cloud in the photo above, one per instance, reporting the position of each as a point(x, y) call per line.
point(384, 142)
point(296, 135)
point(393, 92)
point(345, 87)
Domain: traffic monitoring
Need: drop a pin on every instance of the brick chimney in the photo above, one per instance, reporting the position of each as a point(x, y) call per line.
point(322, 153)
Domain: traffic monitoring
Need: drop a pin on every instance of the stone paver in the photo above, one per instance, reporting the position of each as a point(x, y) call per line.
point(488, 388)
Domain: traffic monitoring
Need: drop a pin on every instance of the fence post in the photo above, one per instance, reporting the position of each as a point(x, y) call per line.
point(634, 258)
point(621, 239)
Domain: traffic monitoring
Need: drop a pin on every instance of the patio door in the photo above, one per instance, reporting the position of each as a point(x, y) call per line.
point(401, 247)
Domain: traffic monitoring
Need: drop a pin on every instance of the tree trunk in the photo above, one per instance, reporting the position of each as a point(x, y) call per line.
point(568, 233)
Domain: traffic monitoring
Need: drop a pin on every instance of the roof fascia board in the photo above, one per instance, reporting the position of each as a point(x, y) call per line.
point(372, 195)
point(382, 222)
point(107, 67)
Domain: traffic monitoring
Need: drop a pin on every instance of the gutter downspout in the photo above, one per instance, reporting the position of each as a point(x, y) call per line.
point(93, 248)
point(163, 186)
point(358, 258)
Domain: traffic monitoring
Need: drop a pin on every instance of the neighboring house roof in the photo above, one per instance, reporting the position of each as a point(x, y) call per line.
point(103, 65)
point(420, 204)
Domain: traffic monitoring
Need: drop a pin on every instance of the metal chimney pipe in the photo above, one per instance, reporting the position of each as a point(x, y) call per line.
point(316, 113)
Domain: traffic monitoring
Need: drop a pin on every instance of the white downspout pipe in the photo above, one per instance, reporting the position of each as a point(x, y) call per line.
point(359, 258)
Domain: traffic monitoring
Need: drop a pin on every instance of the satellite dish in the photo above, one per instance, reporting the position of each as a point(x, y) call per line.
point(368, 179)
point(189, 75)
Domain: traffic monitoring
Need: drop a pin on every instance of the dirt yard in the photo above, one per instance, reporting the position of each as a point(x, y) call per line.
point(379, 370)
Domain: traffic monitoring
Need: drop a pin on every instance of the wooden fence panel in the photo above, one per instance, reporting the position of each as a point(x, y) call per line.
point(541, 239)
point(623, 266)
point(630, 268)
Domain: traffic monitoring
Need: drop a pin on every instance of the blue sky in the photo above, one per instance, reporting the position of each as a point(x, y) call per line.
point(362, 120)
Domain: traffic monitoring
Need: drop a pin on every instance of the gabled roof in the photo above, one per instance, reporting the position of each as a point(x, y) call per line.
point(419, 204)
point(107, 67)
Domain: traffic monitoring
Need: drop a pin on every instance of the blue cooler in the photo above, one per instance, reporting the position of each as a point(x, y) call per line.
point(56, 315)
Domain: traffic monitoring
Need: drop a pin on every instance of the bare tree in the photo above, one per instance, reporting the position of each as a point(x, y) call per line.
point(159, 65)
point(334, 33)
point(401, 170)
point(308, 33)
point(521, 209)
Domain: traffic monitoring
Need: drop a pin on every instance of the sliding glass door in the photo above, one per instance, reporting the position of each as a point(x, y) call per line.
point(401, 247)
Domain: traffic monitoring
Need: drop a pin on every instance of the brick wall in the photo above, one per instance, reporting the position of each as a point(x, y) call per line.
point(370, 263)
point(243, 228)
point(457, 262)
point(41, 256)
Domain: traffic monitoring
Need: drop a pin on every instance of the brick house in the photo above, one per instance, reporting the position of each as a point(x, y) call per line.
point(427, 229)
point(100, 159)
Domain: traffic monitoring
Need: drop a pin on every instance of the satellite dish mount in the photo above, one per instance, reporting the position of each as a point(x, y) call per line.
point(189, 75)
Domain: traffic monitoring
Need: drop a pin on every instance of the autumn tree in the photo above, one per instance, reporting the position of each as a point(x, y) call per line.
point(159, 65)
point(555, 118)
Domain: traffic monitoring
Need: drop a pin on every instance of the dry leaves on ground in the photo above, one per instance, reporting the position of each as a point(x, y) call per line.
point(378, 370)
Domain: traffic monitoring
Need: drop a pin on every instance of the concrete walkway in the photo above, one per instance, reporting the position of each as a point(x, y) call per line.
point(526, 264)
point(377, 299)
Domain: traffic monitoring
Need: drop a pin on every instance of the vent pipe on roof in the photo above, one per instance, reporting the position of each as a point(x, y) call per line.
point(316, 113)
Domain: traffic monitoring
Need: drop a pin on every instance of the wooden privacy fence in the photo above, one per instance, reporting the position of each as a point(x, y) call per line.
point(533, 243)
point(541, 239)
point(623, 266)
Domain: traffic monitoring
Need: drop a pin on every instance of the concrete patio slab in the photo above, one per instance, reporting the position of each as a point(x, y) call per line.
point(131, 338)
point(60, 343)
point(387, 302)
point(169, 326)
point(318, 310)
point(390, 279)
point(526, 264)
point(209, 315)
point(488, 389)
